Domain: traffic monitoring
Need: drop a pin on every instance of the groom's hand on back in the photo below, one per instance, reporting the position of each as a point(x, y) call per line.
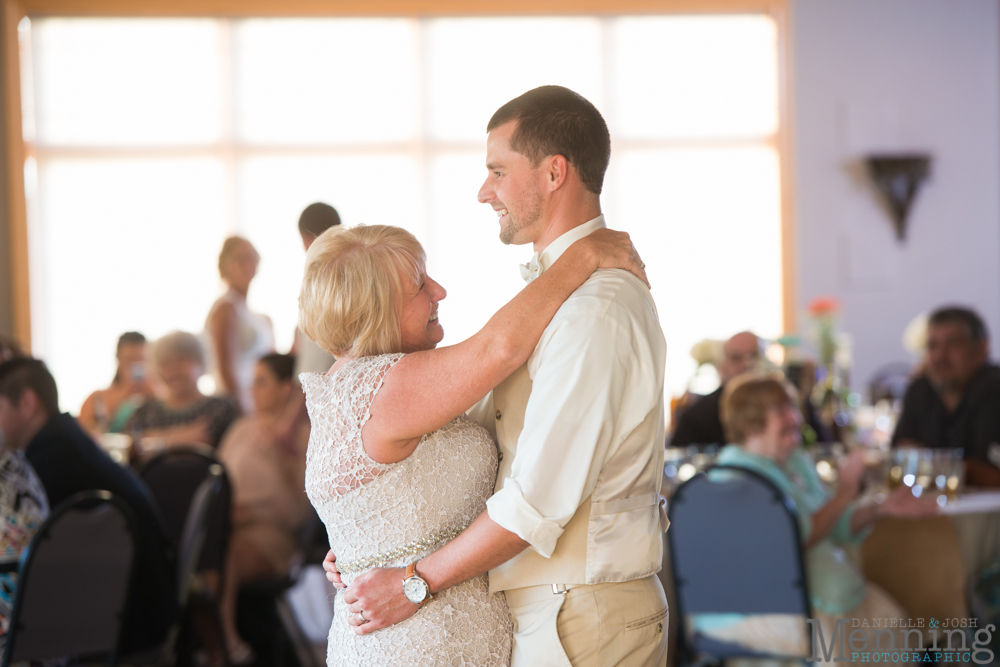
point(377, 596)
point(332, 573)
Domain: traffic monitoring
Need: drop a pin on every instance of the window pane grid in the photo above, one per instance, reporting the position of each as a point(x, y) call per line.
point(385, 119)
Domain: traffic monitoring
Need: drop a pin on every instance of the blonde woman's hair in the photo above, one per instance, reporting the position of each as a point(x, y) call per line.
point(229, 246)
point(351, 298)
point(747, 399)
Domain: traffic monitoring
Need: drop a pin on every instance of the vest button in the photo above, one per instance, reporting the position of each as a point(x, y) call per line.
point(499, 415)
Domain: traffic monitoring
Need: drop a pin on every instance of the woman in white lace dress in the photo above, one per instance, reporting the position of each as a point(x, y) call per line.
point(394, 468)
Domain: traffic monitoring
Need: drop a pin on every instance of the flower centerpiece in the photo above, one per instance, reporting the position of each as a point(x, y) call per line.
point(824, 311)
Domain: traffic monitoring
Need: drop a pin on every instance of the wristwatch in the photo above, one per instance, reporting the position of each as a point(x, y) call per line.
point(415, 588)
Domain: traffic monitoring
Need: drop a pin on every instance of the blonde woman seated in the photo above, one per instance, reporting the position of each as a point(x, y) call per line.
point(394, 467)
point(269, 501)
point(759, 414)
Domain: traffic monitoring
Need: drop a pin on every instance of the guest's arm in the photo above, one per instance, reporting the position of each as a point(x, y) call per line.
point(848, 486)
point(222, 327)
point(980, 473)
point(88, 413)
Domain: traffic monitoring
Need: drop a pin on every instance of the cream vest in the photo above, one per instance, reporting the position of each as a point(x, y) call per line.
point(613, 539)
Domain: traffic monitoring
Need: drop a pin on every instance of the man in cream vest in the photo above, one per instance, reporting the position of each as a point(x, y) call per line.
point(573, 534)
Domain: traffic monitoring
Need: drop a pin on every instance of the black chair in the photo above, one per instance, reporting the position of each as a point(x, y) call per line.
point(194, 496)
point(73, 582)
point(272, 595)
point(735, 548)
point(173, 476)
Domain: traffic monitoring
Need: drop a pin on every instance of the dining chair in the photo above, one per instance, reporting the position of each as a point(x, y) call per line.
point(193, 494)
point(288, 633)
point(73, 582)
point(735, 555)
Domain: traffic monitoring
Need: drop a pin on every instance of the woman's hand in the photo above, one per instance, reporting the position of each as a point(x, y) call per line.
point(902, 504)
point(614, 250)
point(850, 473)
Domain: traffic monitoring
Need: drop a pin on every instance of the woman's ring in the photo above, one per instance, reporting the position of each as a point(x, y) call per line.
point(642, 267)
point(361, 615)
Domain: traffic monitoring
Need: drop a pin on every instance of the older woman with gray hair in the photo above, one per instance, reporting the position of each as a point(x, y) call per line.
point(394, 467)
point(182, 415)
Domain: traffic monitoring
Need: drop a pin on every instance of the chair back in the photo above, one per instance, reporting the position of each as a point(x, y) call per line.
point(735, 548)
point(174, 477)
point(73, 581)
point(195, 529)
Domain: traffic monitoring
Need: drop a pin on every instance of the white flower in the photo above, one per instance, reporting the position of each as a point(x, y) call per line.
point(707, 351)
point(915, 335)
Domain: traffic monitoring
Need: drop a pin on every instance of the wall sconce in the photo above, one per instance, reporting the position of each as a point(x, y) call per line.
point(898, 177)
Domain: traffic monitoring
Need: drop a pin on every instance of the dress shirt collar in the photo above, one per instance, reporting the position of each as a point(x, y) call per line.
point(541, 261)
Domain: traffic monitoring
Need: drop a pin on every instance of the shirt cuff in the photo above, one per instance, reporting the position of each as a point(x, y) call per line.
point(509, 510)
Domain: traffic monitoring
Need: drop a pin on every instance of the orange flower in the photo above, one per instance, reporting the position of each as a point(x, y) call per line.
point(823, 305)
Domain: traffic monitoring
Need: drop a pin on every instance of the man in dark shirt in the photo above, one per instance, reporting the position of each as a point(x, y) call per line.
point(700, 423)
point(68, 461)
point(956, 401)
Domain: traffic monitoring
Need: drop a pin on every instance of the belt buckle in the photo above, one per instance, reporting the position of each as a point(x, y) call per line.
point(559, 589)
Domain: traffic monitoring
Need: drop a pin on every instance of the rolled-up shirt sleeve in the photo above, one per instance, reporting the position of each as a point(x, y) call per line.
point(582, 372)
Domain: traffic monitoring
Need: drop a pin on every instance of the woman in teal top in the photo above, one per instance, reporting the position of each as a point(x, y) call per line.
point(759, 413)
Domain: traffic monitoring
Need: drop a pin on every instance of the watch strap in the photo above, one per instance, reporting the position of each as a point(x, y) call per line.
point(411, 573)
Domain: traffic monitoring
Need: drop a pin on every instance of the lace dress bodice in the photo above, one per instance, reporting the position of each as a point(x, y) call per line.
point(385, 515)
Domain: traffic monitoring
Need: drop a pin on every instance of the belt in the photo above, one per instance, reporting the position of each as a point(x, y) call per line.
point(394, 555)
point(519, 597)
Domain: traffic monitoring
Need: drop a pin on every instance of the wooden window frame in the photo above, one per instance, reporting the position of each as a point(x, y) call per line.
point(15, 10)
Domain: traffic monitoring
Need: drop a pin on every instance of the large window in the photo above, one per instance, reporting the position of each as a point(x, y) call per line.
point(151, 140)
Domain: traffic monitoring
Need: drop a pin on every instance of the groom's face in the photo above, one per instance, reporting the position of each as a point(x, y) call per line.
point(513, 188)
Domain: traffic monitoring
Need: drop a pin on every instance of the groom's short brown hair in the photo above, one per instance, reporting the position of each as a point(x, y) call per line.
point(552, 120)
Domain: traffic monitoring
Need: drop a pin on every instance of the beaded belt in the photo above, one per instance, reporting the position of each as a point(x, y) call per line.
point(408, 549)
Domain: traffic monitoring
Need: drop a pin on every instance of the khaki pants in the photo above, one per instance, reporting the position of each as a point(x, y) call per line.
point(605, 625)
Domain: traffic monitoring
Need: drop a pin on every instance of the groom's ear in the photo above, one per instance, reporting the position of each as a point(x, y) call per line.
point(558, 171)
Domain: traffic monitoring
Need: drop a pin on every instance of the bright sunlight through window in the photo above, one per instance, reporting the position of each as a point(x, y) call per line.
point(151, 140)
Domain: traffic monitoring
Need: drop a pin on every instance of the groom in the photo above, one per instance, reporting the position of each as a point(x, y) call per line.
point(573, 533)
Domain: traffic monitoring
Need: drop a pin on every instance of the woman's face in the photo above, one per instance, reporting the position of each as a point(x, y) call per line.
point(179, 374)
point(782, 432)
point(241, 266)
point(420, 327)
point(269, 393)
point(133, 364)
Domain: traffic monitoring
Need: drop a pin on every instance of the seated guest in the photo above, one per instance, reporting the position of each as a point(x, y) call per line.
point(760, 415)
point(700, 423)
point(269, 500)
point(184, 415)
point(955, 402)
point(67, 462)
point(23, 509)
point(108, 410)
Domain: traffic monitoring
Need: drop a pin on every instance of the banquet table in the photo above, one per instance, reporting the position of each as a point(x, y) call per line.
point(927, 564)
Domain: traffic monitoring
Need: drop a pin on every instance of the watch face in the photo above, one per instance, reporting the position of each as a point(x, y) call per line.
point(415, 590)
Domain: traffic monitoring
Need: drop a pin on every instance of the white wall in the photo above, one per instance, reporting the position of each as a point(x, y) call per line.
point(894, 75)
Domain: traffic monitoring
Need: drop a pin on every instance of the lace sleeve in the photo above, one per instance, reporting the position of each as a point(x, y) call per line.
point(339, 405)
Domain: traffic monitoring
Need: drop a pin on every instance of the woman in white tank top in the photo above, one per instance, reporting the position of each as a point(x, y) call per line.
point(237, 337)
